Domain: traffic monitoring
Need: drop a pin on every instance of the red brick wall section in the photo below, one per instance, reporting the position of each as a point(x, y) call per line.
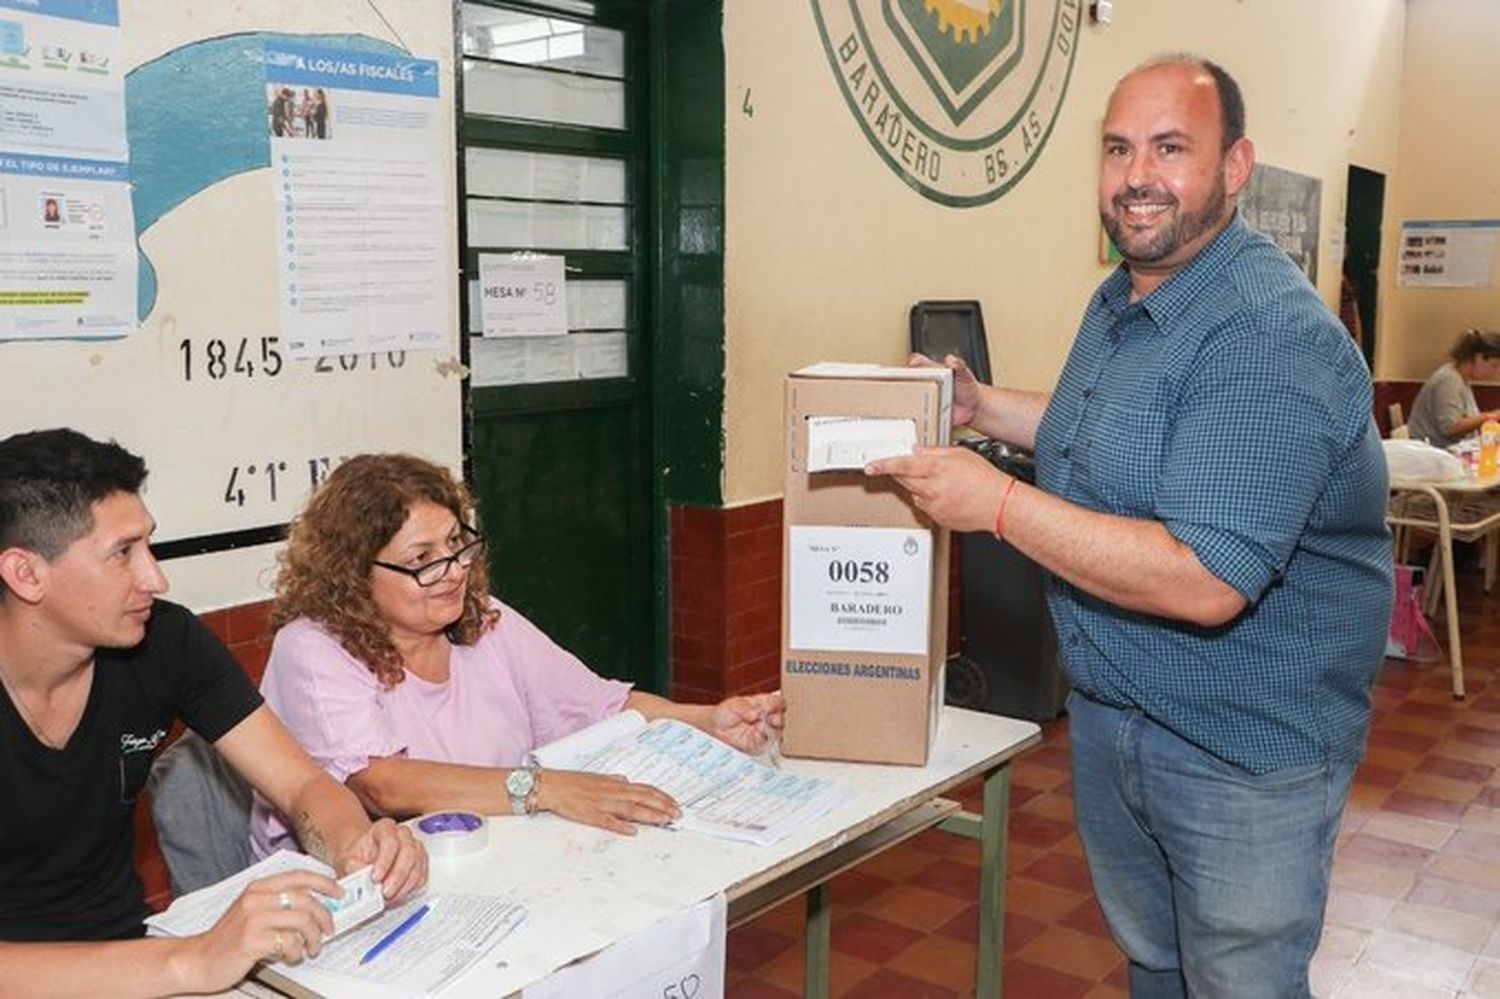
point(246, 631)
point(726, 600)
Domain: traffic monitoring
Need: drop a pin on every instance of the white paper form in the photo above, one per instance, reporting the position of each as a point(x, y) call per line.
point(681, 956)
point(572, 752)
point(722, 791)
point(457, 931)
point(357, 175)
point(522, 295)
point(197, 911)
point(852, 442)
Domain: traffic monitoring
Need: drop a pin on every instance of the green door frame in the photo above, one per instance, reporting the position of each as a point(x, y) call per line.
point(674, 140)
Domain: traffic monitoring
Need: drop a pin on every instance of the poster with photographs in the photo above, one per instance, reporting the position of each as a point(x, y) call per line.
point(1452, 254)
point(67, 225)
point(1285, 206)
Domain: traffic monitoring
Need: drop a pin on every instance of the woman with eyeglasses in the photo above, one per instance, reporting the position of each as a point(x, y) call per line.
point(405, 679)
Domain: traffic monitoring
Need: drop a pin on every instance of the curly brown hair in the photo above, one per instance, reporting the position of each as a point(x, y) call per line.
point(331, 548)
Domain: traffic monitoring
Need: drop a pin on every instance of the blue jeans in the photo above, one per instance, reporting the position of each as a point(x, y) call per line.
point(1213, 880)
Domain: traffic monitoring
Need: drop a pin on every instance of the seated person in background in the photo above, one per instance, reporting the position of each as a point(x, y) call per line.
point(407, 681)
point(1445, 411)
point(96, 669)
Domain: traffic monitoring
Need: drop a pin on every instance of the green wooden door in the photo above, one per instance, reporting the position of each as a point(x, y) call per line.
point(555, 161)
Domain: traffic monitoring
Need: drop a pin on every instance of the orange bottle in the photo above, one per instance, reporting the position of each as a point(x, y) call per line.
point(1489, 448)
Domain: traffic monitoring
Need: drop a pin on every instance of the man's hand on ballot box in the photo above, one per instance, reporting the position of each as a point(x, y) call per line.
point(954, 486)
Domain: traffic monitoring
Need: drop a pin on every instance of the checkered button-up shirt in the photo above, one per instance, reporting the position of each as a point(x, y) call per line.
point(1231, 406)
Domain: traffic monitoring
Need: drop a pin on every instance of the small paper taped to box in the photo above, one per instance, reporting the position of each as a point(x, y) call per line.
point(841, 443)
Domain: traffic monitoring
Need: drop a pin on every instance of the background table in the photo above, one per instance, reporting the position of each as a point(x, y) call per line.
point(1483, 524)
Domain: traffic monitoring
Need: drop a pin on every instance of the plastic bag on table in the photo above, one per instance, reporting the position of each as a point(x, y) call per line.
point(1408, 459)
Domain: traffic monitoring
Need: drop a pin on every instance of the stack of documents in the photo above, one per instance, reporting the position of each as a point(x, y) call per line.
point(457, 930)
point(722, 791)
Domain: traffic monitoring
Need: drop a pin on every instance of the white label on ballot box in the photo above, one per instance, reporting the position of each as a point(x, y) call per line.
point(860, 589)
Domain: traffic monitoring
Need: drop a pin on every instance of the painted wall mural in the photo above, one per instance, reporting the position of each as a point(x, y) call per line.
point(958, 97)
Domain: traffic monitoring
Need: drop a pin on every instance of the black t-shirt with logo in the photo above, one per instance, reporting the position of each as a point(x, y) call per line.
point(66, 845)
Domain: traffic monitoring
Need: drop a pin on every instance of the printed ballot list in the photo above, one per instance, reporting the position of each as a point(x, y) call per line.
point(722, 791)
point(860, 589)
point(356, 162)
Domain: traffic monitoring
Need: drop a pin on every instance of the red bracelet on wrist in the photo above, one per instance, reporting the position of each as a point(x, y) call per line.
point(1010, 487)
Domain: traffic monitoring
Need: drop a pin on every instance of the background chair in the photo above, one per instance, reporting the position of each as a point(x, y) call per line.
point(201, 807)
point(943, 327)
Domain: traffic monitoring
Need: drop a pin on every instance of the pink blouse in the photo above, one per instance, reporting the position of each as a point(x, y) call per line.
point(511, 691)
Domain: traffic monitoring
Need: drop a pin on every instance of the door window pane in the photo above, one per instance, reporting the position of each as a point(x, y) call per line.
point(515, 173)
point(496, 90)
point(545, 226)
point(529, 360)
point(515, 36)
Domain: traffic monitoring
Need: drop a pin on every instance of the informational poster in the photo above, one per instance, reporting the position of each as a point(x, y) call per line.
point(860, 589)
point(357, 166)
point(67, 231)
point(1285, 206)
point(1455, 254)
point(522, 295)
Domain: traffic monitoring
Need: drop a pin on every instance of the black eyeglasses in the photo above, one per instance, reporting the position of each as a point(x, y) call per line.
point(432, 573)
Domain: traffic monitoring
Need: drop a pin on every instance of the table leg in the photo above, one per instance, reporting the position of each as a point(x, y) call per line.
point(819, 925)
point(1434, 577)
point(1491, 554)
point(1450, 594)
point(988, 967)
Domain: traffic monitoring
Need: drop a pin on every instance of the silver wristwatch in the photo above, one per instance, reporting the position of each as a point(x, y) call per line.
point(522, 786)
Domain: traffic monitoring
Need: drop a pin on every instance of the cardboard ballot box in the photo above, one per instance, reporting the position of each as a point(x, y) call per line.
point(864, 606)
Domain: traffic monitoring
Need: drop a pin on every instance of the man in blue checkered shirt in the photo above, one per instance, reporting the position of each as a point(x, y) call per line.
point(1210, 507)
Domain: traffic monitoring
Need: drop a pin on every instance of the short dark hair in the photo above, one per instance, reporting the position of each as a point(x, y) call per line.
point(49, 483)
point(1231, 101)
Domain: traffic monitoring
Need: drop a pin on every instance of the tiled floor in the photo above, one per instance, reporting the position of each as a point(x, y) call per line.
point(1414, 910)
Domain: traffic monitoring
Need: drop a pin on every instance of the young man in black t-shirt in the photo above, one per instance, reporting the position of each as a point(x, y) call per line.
point(95, 669)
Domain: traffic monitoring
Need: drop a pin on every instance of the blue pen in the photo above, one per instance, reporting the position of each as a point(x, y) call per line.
point(396, 934)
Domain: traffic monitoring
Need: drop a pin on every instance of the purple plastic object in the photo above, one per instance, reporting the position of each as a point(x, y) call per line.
point(450, 822)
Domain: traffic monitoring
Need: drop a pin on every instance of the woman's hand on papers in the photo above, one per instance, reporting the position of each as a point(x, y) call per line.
point(952, 485)
point(398, 862)
point(276, 919)
point(748, 722)
point(608, 801)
